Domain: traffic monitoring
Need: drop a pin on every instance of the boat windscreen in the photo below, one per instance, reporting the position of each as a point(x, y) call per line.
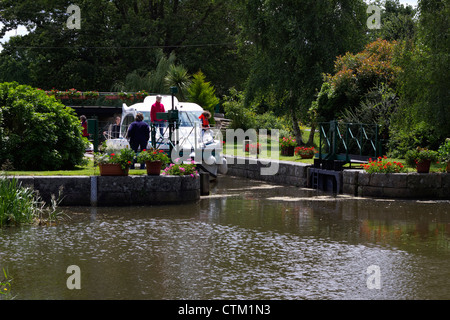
point(189, 118)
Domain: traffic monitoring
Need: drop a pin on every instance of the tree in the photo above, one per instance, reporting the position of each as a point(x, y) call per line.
point(38, 133)
point(177, 76)
point(119, 37)
point(295, 42)
point(398, 21)
point(355, 77)
point(203, 93)
point(424, 112)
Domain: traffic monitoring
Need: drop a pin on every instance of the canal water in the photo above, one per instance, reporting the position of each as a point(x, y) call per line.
point(248, 240)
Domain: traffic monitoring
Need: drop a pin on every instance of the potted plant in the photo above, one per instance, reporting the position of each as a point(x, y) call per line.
point(75, 94)
point(154, 159)
point(126, 96)
point(114, 163)
point(305, 152)
point(141, 95)
point(62, 95)
point(91, 94)
point(288, 145)
point(52, 92)
point(421, 158)
point(111, 96)
point(444, 154)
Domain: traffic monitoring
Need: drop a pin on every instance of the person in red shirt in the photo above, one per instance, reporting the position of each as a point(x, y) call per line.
point(206, 115)
point(156, 108)
point(84, 125)
point(205, 120)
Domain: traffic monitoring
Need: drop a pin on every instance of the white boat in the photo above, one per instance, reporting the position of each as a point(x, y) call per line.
point(187, 141)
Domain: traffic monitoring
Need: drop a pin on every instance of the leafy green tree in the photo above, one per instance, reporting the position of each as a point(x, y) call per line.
point(177, 76)
point(294, 43)
point(203, 93)
point(38, 133)
point(118, 37)
point(355, 77)
point(398, 21)
point(424, 112)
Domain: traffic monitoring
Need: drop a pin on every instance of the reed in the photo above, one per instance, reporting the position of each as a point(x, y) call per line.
point(20, 205)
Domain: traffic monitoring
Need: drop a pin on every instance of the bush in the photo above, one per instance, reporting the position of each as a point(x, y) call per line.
point(408, 138)
point(203, 94)
point(444, 151)
point(38, 133)
point(246, 117)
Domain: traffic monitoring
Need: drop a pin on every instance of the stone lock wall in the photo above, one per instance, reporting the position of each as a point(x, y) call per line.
point(397, 185)
point(116, 191)
point(289, 173)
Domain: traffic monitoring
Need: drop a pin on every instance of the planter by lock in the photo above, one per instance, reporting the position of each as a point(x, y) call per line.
point(116, 190)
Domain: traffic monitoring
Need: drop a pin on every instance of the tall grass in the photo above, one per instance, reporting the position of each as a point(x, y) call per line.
point(20, 205)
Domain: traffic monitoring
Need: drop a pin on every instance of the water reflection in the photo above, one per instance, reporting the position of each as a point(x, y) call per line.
point(247, 241)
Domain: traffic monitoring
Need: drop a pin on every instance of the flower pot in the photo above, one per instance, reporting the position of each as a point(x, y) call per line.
point(112, 170)
point(288, 151)
point(423, 166)
point(307, 156)
point(153, 168)
point(448, 167)
point(111, 97)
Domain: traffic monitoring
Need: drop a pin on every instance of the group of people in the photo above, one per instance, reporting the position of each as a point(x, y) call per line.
point(139, 131)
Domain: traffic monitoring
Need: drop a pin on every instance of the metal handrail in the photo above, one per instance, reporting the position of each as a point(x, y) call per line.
point(333, 137)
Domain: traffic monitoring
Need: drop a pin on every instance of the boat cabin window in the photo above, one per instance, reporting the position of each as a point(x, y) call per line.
point(127, 121)
point(189, 118)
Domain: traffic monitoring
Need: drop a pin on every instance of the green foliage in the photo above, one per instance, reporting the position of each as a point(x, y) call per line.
point(356, 76)
point(295, 43)
point(203, 93)
point(246, 117)
point(403, 139)
point(38, 133)
point(444, 151)
point(116, 38)
point(424, 90)
point(124, 157)
point(397, 21)
point(418, 155)
point(177, 76)
point(153, 155)
point(20, 205)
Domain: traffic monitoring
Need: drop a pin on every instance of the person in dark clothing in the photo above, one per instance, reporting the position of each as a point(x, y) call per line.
point(139, 134)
